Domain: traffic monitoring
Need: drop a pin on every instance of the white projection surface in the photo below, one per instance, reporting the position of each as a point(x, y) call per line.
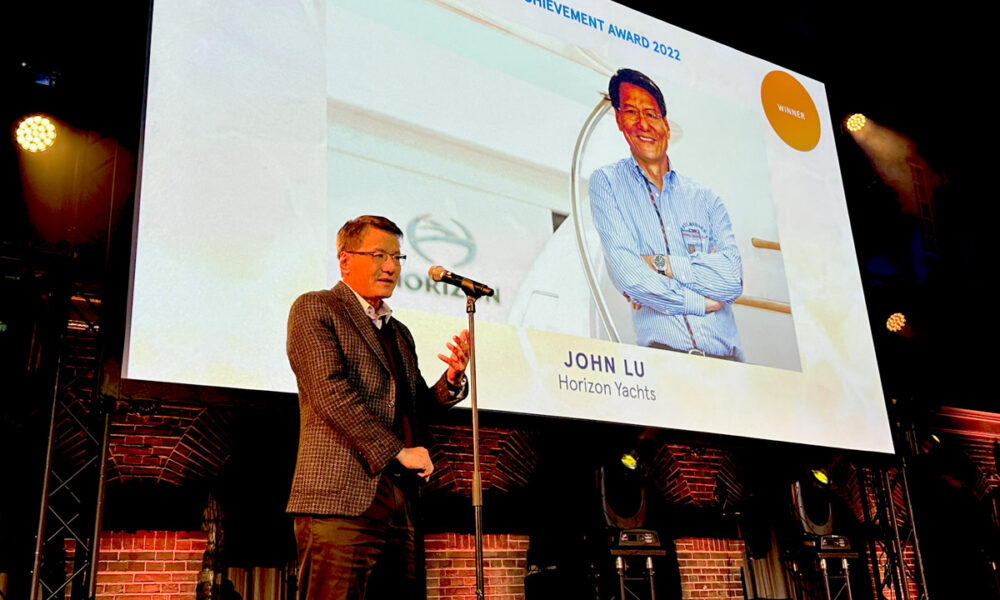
point(475, 125)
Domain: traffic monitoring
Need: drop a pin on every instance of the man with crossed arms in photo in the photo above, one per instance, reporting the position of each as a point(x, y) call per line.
point(667, 240)
point(362, 402)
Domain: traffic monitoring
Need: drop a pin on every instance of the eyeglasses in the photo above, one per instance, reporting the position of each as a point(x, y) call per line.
point(381, 257)
point(632, 114)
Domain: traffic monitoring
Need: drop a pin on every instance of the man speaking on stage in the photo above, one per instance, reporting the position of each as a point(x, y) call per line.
point(362, 402)
point(667, 240)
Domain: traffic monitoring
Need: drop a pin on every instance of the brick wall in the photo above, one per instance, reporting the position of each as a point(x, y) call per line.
point(506, 459)
point(696, 475)
point(710, 568)
point(451, 566)
point(148, 565)
point(176, 445)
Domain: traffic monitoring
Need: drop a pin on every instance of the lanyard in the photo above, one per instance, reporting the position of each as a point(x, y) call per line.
point(656, 209)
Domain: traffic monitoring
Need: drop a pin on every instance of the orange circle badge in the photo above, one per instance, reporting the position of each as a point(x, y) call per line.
point(790, 110)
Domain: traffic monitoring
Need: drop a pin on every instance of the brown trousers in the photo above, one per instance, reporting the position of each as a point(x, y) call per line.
point(368, 557)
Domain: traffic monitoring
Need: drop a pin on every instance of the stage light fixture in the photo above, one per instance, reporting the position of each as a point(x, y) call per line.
point(36, 133)
point(895, 322)
point(631, 460)
point(856, 122)
point(622, 490)
point(811, 508)
point(821, 476)
point(928, 444)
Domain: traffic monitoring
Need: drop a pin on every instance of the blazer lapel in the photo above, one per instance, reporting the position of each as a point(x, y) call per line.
point(361, 321)
point(409, 358)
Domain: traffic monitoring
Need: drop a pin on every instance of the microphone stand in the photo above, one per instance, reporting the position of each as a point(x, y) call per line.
point(477, 486)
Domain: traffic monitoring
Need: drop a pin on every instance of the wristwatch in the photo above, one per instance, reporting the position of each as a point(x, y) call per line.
point(660, 263)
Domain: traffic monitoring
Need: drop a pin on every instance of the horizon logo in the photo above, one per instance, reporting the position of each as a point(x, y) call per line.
point(440, 241)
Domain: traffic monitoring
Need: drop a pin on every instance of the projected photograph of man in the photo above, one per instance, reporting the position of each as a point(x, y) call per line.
point(668, 240)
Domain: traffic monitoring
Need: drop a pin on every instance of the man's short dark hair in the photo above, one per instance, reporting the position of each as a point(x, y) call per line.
point(637, 79)
point(350, 234)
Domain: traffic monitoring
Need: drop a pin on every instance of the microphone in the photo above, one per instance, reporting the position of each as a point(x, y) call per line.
point(470, 287)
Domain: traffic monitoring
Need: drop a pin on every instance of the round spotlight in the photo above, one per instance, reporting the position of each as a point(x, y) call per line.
point(895, 322)
point(856, 122)
point(36, 134)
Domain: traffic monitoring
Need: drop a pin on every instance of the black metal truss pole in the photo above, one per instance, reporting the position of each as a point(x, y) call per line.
point(919, 577)
point(75, 464)
point(884, 527)
point(43, 509)
point(897, 543)
point(95, 549)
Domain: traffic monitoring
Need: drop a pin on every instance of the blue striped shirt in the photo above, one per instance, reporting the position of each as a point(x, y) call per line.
point(703, 254)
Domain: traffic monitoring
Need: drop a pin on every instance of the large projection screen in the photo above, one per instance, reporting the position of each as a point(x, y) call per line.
point(477, 126)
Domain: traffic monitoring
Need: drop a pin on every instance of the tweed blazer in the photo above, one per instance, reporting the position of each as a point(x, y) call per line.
point(347, 399)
